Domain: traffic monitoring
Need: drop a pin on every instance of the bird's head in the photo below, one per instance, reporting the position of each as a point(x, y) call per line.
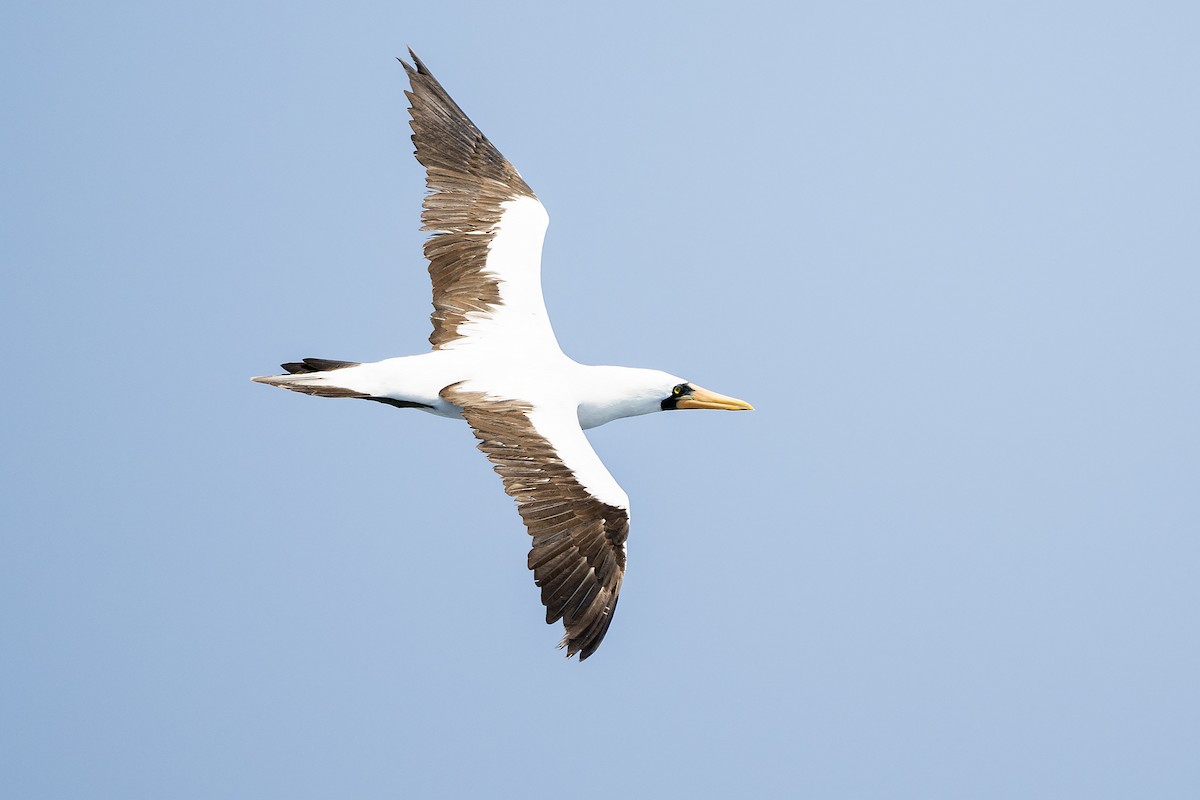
point(686, 395)
point(616, 392)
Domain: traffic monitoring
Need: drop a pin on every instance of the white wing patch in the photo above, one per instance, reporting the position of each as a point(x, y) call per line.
point(515, 260)
point(563, 433)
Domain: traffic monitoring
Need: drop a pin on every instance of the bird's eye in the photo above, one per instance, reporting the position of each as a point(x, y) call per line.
point(678, 390)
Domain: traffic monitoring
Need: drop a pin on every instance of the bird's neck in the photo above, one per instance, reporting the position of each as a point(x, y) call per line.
point(610, 393)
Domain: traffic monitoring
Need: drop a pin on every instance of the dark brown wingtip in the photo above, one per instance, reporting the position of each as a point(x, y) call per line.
point(409, 68)
point(417, 67)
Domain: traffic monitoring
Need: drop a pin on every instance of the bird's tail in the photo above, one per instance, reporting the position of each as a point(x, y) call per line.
point(323, 377)
point(312, 376)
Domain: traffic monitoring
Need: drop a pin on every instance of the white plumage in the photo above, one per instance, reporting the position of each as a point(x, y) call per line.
point(497, 364)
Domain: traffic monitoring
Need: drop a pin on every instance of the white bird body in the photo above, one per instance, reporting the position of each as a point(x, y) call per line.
point(497, 364)
point(597, 394)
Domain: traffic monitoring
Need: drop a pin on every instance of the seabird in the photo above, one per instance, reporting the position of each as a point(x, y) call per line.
point(496, 363)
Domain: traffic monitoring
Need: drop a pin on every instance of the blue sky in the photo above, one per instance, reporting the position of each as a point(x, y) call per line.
point(949, 251)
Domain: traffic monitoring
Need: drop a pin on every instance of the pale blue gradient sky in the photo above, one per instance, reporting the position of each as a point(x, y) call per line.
point(949, 251)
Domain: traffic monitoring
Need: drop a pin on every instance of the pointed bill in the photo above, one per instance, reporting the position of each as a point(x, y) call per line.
point(703, 398)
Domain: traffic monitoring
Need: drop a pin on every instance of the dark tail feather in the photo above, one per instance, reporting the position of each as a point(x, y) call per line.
point(316, 365)
point(306, 376)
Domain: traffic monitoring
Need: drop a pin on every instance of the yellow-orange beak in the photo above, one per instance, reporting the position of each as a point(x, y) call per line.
point(703, 398)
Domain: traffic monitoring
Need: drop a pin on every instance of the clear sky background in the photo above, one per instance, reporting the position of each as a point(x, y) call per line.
point(950, 251)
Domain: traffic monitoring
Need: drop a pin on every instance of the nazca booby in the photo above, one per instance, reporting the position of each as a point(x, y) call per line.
point(496, 363)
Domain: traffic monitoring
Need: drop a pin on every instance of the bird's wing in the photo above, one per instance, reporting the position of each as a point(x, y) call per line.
point(576, 513)
point(486, 249)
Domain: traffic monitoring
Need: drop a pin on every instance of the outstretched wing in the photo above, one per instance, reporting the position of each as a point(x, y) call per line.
point(576, 513)
point(486, 249)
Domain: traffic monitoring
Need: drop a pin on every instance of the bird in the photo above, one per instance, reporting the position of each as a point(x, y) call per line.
point(495, 363)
